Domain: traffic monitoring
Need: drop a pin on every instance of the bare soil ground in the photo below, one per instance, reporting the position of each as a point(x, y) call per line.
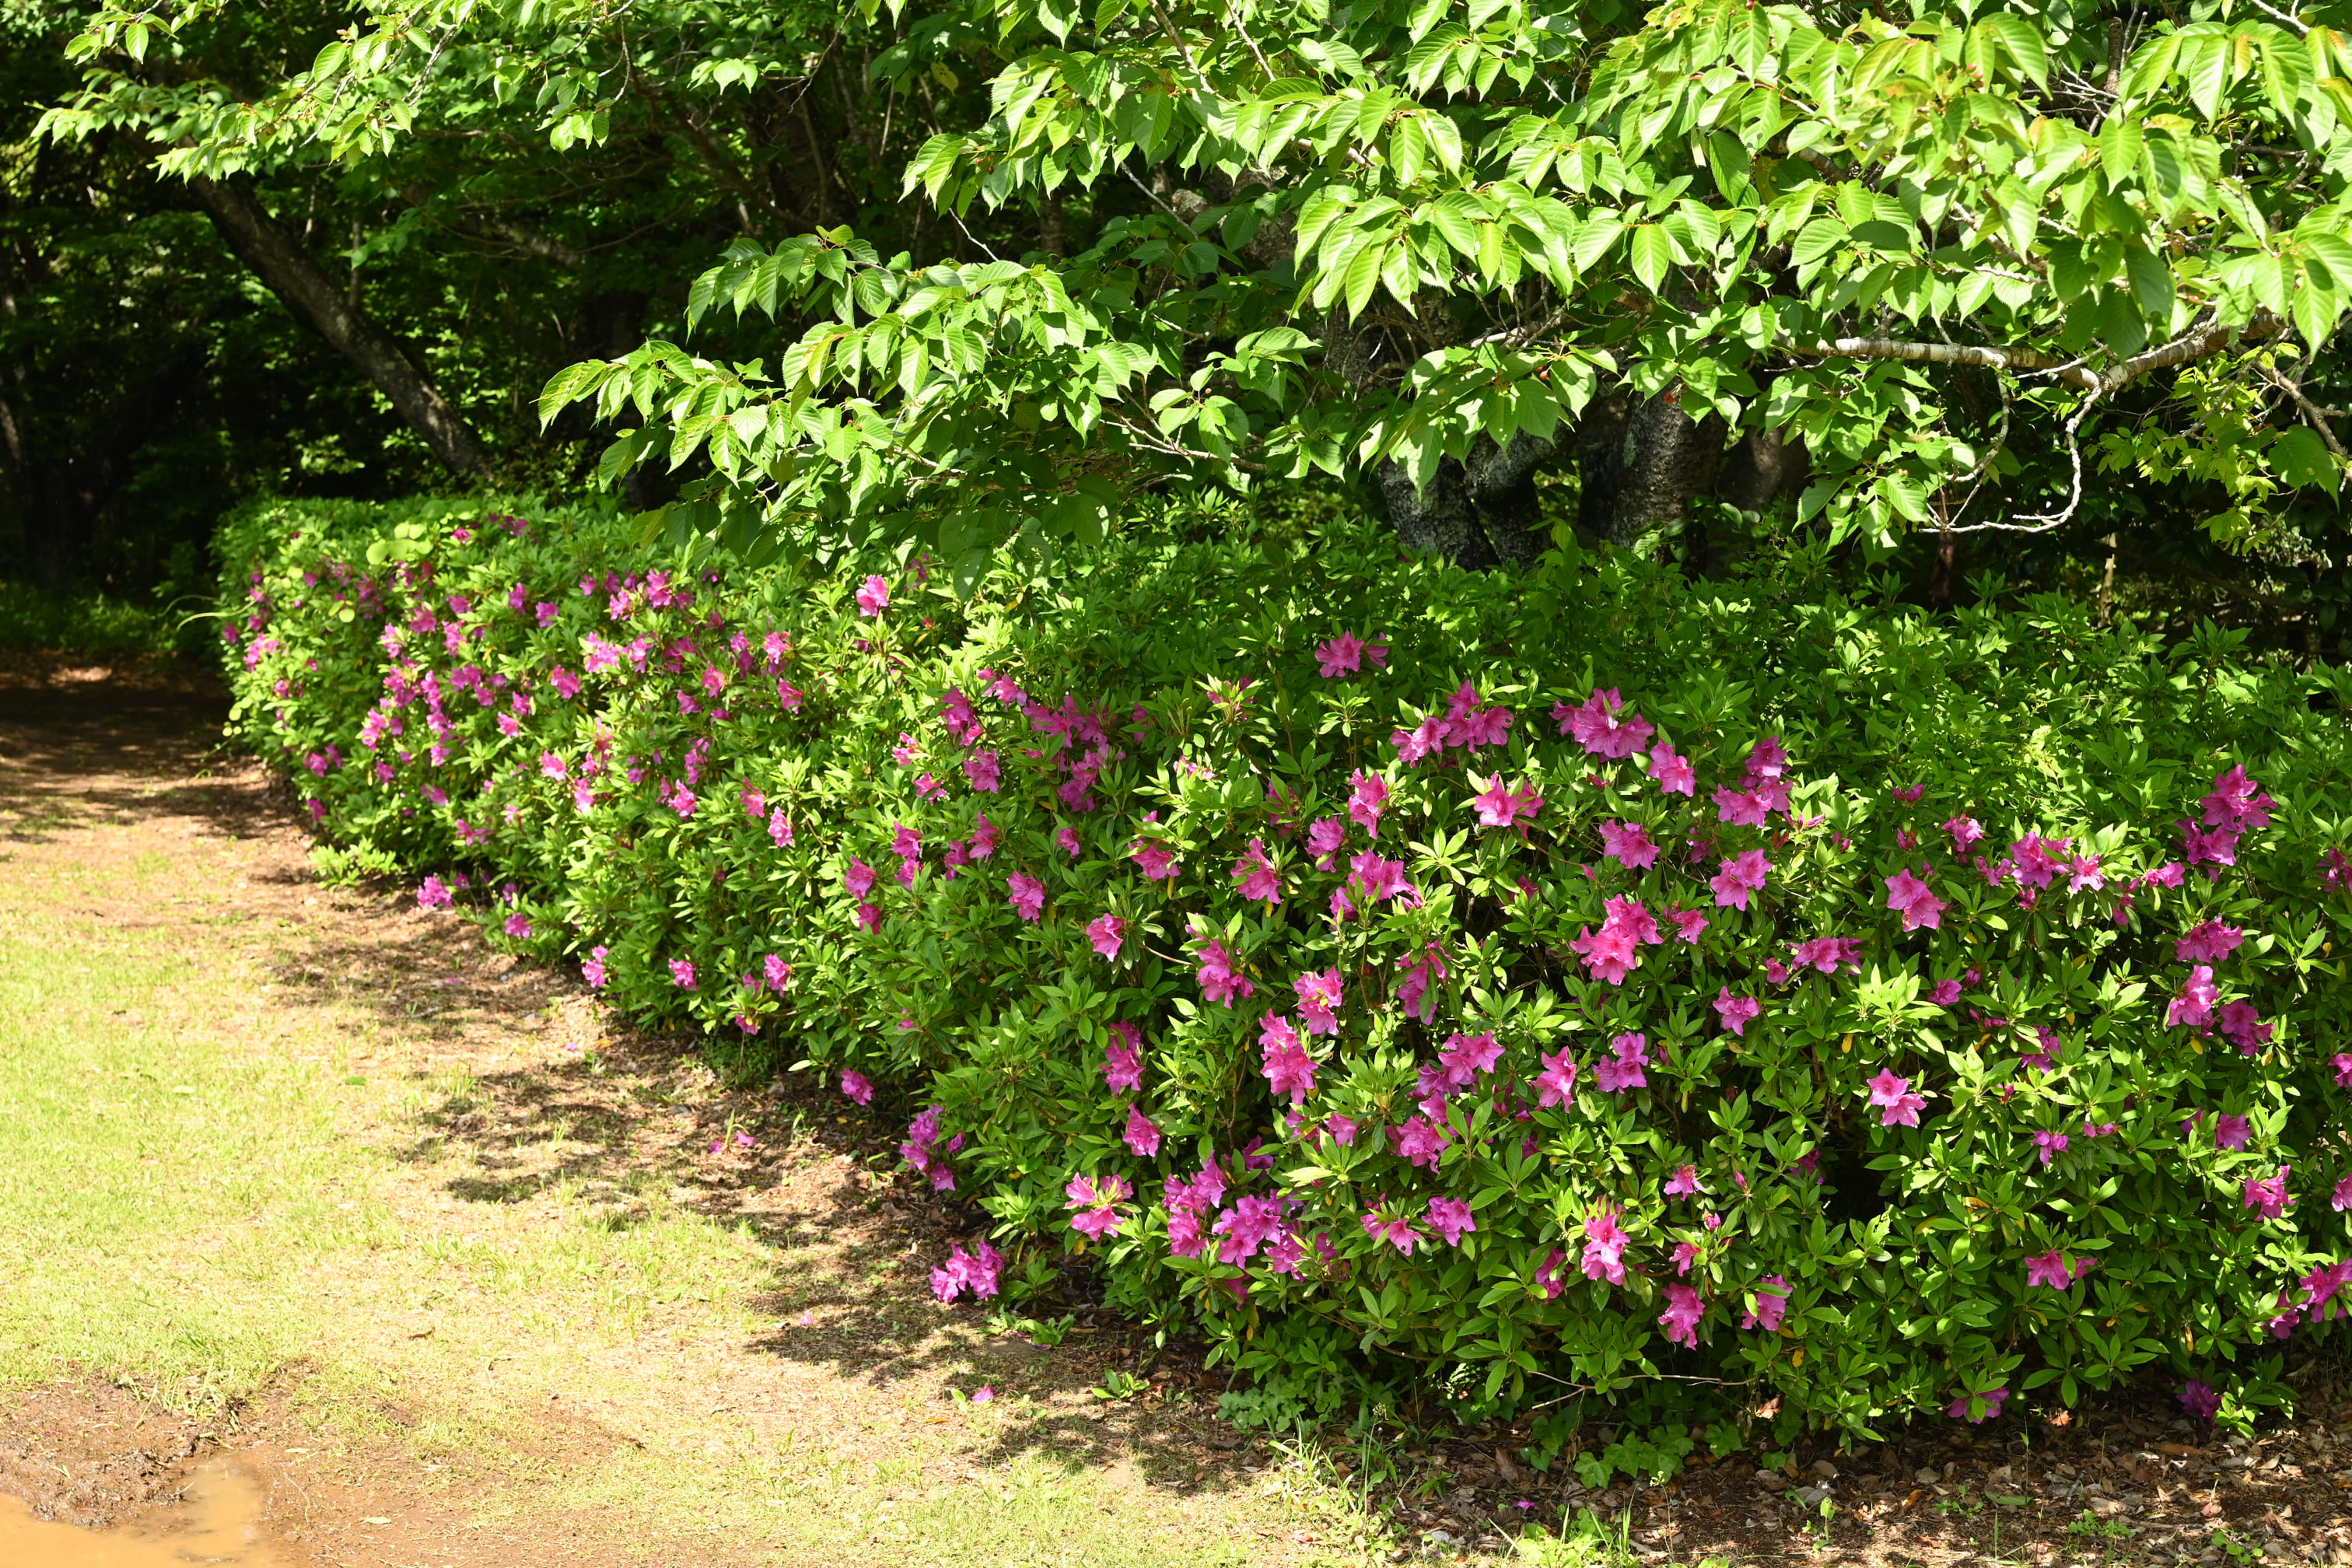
point(496, 1418)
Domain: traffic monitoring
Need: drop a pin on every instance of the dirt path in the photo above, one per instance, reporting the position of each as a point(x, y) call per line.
point(462, 1274)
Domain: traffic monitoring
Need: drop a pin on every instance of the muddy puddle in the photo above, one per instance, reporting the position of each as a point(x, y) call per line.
point(217, 1521)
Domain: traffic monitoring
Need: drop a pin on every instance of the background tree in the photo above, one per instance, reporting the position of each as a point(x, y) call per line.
point(2061, 274)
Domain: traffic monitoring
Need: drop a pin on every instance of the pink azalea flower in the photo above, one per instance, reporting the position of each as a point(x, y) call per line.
point(858, 879)
point(1318, 1001)
point(1468, 724)
point(1093, 1198)
point(1026, 894)
point(1398, 1233)
point(1371, 878)
point(1219, 981)
point(1288, 1068)
point(1946, 992)
point(1420, 1141)
point(1776, 971)
point(592, 969)
point(2244, 1028)
point(1344, 655)
point(1324, 841)
point(1614, 951)
point(982, 769)
point(1451, 1218)
point(1106, 932)
point(1123, 1063)
point(977, 1273)
point(1628, 843)
point(1622, 1071)
point(2201, 1401)
point(2237, 803)
point(1681, 1318)
point(2194, 1005)
point(1256, 873)
point(2051, 1269)
point(1688, 924)
point(434, 894)
point(1249, 1225)
point(681, 973)
point(1965, 832)
point(1556, 1085)
point(1422, 970)
point(1501, 807)
point(1673, 773)
point(1466, 1055)
point(872, 596)
point(2209, 942)
point(2342, 1063)
point(1067, 839)
point(519, 926)
point(857, 1085)
point(2051, 1144)
point(2342, 1198)
point(1741, 875)
point(1604, 1248)
point(2215, 847)
point(1141, 1136)
point(1771, 1307)
point(1368, 795)
point(1738, 1012)
point(1423, 741)
point(1897, 1105)
point(1910, 898)
point(1684, 1183)
point(1959, 1409)
point(1598, 727)
point(2268, 1194)
point(1826, 954)
point(1741, 809)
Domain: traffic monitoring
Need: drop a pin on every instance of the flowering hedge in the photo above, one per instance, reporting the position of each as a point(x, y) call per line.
point(1572, 984)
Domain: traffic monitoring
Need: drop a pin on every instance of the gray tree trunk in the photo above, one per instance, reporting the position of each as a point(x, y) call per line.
point(279, 259)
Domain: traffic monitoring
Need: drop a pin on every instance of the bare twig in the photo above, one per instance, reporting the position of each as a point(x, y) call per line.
point(973, 237)
point(2302, 30)
point(2312, 415)
point(2042, 522)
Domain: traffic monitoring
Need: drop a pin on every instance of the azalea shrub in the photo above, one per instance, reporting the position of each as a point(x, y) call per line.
point(1562, 994)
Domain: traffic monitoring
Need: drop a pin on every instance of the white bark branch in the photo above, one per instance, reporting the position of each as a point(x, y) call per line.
point(2193, 345)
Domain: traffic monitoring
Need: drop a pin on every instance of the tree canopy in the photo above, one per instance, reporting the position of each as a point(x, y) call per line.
point(986, 271)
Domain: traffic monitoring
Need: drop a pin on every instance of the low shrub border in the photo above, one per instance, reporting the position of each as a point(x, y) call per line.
point(1559, 991)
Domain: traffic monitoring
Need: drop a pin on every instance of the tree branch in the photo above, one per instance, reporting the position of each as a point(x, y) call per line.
point(2314, 416)
point(294, 276)
point(2192, 345)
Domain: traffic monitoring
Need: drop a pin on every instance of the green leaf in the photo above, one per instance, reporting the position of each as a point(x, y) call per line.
point(2302, 458)
point(1651, 254)
point(2205, 69)
point(2151, 285)
point(2120, 145)
point(1363, 275)
point(1817, 239)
